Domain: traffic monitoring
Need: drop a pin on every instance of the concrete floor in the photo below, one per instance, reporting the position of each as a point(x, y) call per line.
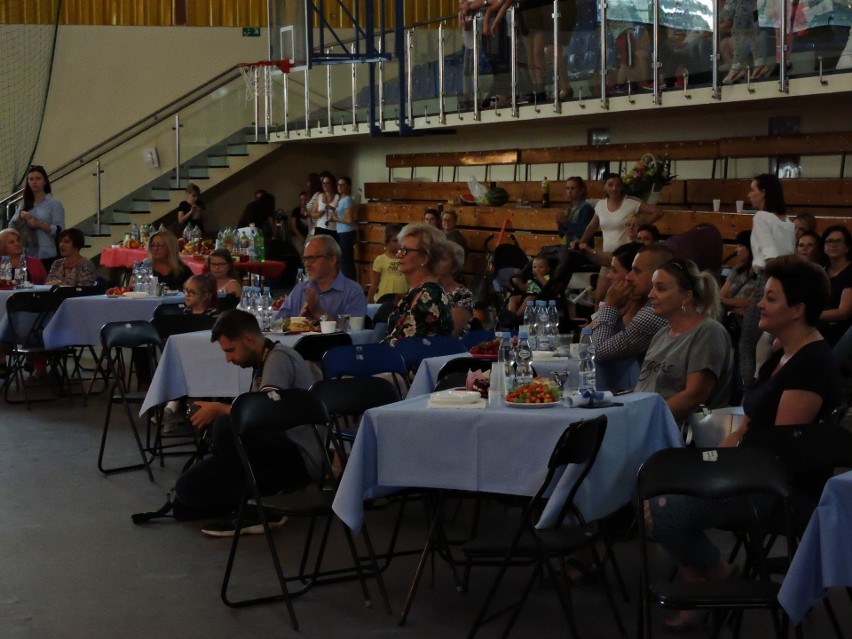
point(74, 565)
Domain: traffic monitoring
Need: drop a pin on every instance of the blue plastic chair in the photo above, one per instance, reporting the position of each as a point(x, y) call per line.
point(415, 349)
point(365, 360)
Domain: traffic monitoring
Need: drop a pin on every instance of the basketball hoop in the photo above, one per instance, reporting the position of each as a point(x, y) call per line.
point(251, 72)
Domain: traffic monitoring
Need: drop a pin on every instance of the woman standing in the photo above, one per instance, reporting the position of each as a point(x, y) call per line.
point(72, 269)
point(611, 217)
point(425, 309)
point(344, 218)
point(772, 235)
point(39, 217)
point(690, 362)
point(323, 211)
point(191, 210)
point(837, 316)
point(163, 258)
point(461, 297)
point(11, 246)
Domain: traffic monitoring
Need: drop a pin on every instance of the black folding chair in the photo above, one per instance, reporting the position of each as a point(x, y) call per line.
point(724, 473)
point(115, 338)
point(454, 373)
point(569, 533)
point(287, 410)
point(27, 315)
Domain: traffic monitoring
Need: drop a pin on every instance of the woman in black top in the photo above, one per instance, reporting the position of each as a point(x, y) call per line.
point(797, 387)
point(837, 316)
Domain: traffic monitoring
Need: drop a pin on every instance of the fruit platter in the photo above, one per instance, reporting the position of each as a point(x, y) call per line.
point(117, 291)
point(486, 350)
point(539, 393)
point(199, 247)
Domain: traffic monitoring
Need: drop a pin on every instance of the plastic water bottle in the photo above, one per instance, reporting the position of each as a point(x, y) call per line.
point(266, 307)
point(542, 326)
point(23, 272)
point(134, 232)
point(220, 239)
point(553, 316)
point(6, 269)
point(587, 361)
point(245, 299)
point(530, 320)
point(300, 276)
point(153, 283)
point(523, 357)
point(259, 249)
point(506, 354)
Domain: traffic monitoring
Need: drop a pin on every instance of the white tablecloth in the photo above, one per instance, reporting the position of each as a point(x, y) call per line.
point(191, 365)
point(824, 556)
point(497, 450)
point(79, 320)
point(427, 373)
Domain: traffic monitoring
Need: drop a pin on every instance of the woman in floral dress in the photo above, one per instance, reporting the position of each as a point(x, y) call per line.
point(425, 310)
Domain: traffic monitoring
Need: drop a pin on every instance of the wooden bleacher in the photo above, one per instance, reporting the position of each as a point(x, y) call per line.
point(687, 201)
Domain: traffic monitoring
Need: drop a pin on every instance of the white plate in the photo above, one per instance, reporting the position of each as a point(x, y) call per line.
point(453, 396)
point(547, 405)
point(136, 295)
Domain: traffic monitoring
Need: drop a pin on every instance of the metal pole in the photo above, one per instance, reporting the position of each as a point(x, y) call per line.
point(409, 81)
point(354, 97)
point(98, 196)
point(477, 34)
point(513, 58)
point(442, 116)
point(267, 101)
point(256, 75)
point(604, 98)
point(381, 85)
point(784, 81)
point(656, 64)
point(557, 102)
point(328, 95)
point(715, 93)
point(307, 106)
point(177, 150)
point(286, 105)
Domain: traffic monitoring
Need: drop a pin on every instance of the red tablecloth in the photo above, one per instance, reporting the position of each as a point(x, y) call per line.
point(124, 258)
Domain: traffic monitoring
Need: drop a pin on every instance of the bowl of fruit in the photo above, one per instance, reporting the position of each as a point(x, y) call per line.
point(486, 350)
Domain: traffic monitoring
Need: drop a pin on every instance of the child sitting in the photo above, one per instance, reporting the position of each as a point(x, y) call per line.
point(534, 287)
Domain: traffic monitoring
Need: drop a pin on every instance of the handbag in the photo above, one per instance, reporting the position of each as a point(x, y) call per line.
point(707, 427)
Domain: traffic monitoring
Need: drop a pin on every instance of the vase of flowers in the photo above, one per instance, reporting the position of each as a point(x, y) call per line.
point(648, 177)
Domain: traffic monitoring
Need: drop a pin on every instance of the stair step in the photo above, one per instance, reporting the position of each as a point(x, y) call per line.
point(218, 161)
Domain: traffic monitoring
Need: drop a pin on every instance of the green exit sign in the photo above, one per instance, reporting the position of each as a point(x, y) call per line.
point(251, 32)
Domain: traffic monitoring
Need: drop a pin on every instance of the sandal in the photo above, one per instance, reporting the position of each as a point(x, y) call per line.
point(734, 75)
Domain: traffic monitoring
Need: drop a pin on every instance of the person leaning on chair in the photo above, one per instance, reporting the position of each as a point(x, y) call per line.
point(327, 291)
point(214, 486)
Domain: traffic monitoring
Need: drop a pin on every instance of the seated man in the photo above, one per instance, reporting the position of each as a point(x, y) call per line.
point(214, 486)
point(327, 291)
point(625, 322)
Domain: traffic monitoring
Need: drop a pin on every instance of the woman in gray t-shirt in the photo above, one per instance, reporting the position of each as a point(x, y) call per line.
point(690, 362)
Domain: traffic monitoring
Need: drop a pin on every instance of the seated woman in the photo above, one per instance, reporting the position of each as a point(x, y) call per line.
point(461, 297)
point(11, 246)
point(220, 264)
point(837, 316)
point(163, 258)
point(425, 309)
point(809, 246)
point(690, 362)
point(72, 269)
point(798, 385)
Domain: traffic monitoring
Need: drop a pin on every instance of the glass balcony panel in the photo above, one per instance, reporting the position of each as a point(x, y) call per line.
point(820, 36)
point(629, 33)
point(686, 43)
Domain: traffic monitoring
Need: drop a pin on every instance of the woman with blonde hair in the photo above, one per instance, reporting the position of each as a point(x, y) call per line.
point(425, 309)
point(461, 297)
point(689, 362)
point(164, 260)
point(12, 246)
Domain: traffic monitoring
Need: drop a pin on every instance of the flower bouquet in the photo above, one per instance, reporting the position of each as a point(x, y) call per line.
point(648, 177)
